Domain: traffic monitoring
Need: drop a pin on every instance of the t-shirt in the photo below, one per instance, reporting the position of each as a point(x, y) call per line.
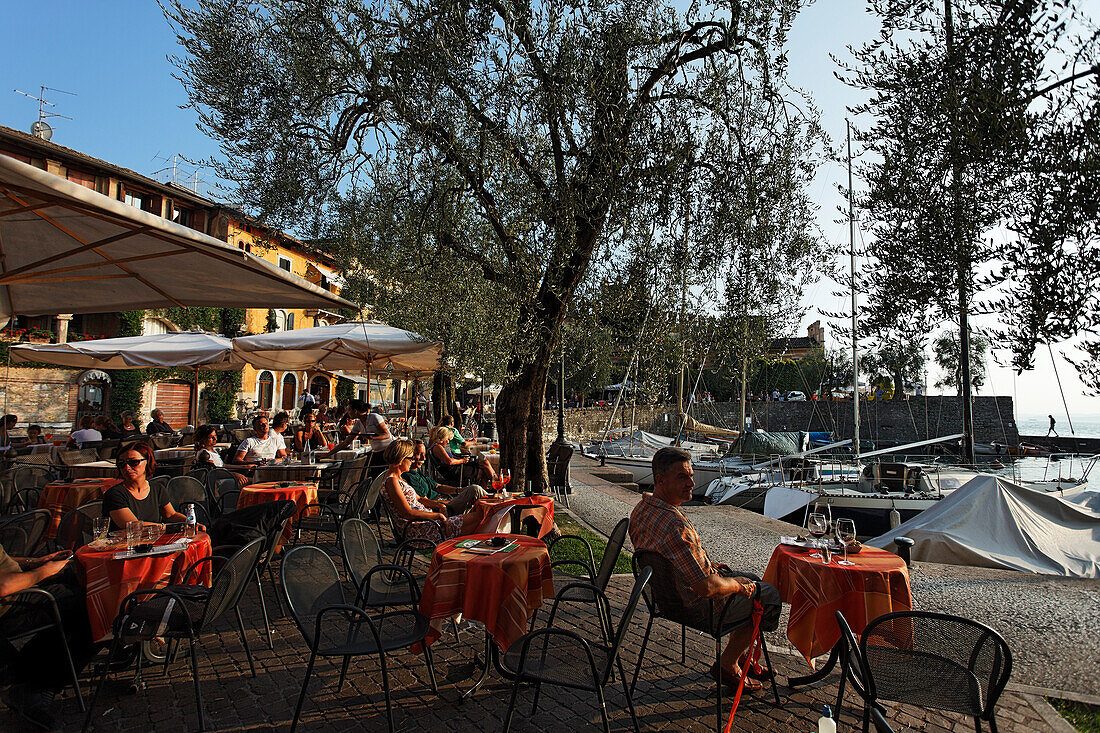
point(147, 509)
point(209, 456)
point(279, 439)
point(458, 443)
point(87, 435)
point(371, 424)
point(127, 433)
point(256, 449)
point(423, 485)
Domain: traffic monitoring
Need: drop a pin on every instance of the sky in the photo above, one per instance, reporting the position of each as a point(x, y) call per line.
point(126, 109)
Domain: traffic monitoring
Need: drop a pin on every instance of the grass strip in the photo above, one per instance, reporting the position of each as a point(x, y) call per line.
point(1083, 717)
point(574, 551)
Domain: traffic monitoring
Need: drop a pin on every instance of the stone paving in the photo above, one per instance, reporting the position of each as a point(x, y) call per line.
point(670, 695)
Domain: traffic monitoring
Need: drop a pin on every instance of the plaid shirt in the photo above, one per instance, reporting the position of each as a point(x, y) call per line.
point(660, 527)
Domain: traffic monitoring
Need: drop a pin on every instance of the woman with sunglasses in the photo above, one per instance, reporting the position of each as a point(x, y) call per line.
point(134, 498)
point(309, 436)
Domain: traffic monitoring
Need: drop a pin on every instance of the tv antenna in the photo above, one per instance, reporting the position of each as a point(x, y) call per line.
point(40, 128)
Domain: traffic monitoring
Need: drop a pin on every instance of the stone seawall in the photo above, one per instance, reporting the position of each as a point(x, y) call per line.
point(903, 421)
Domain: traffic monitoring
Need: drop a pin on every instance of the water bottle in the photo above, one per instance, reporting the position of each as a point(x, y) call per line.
point(189, 529)
point(826, 724)
point(528, 491)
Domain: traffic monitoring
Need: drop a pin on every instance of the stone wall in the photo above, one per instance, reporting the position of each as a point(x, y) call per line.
point(903, 421)
point(39, 395)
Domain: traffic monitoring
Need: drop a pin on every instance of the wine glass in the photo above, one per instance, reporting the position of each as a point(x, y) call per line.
point(818, 526)
point(506, 476)
point(133, 534)
point(845, 533)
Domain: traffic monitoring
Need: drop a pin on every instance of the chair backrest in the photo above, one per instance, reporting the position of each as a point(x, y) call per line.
point(351, 472)
point(186, 490)
point(76, 457)
point(26, 532)
point(310, 583)
point(30, 477)
point(640, 582)
point(557, 463)
point(370, 497)
point(230, 581)
point(923, 637)
point(611, 553)
point(199, 473)
point(360, 549)
point(852, 663)
point(186, 439)
point(240, 435)
point(108, 449)
point(218, 481)
point(283, 514)
point(37, 460)
point(159, 482)
point(161, 441)
point(75, 529)
point(663, 596)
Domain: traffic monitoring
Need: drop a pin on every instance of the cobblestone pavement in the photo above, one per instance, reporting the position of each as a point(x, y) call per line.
point(670, 696)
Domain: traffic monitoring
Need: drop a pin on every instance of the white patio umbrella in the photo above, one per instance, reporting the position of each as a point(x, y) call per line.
point(67, 249)
point(190, 350)
point(353, 346)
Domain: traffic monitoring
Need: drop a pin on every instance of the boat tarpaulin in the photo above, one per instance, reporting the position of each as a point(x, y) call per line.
point(992, 522)
point(763, 443)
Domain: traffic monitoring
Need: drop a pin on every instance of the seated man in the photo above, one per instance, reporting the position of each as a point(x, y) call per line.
point(262, 446)
point(158, 425)
point(460, 500)
point(40, 666)
point(86, 434)
point(367, 425)
point(657, 524)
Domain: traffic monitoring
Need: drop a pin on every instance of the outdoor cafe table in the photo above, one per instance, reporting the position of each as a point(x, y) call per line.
point(95, 469)
point(486, 451)
point(61, 497)
point(500, 590)
point(301, 493)
point(493, 511)
point(288, 471)
point(173, 454)
point(108, 581)
point(877, 583)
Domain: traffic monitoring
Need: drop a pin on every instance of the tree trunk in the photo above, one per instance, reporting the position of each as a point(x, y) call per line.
point(443, 397)
point(519, 424)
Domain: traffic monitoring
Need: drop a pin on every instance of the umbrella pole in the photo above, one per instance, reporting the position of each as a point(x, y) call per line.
point(368, 386)
point(193, 413)
point(405, 394)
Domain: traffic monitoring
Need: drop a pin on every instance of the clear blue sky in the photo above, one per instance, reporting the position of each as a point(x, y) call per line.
point(113, 55)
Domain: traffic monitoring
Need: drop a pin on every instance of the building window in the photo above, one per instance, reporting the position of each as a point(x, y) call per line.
point(290, 391)
point(142, 200)
point(246, 246)
point(265, 387)
point(290, 321)
point(280, 320)
point(186, 217)
point(79, 177)
point(284, 263)
point(324, 283)
point(153, 326)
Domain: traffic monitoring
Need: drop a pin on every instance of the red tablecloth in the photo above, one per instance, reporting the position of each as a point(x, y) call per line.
point(302, 494)
point(61, 497)
point(109, 581)
point(877, 583)
point(493, 511)
point(500, 590)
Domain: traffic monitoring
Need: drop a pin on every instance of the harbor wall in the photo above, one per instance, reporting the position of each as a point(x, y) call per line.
point(901, 421)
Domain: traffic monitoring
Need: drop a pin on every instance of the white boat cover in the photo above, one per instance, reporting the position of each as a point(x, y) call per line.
point(347, 347)
point(67, 249)
point(642, 443)
point(992, 522)
point(176, 349)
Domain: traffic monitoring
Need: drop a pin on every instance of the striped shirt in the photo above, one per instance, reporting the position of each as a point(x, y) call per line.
point(660, 527)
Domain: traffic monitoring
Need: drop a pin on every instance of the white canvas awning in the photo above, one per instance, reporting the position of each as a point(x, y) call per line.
point(353, 347)
point(67, 249)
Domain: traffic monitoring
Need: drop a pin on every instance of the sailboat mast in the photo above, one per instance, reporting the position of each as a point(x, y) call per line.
point(852, 262)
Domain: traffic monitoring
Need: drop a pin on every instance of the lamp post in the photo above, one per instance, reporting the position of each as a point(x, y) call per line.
point(561, 398)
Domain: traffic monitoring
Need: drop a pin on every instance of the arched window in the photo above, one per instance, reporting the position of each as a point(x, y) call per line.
point(265, 386)
point(290, 321)
point(280, 320)
point(290, 391)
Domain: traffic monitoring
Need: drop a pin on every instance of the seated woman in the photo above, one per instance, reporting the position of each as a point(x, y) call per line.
point(34, 435)
point(106, 428)
point(457, 470)
point(207, 456)
point(129, 430)
point(309, 436)
point(135, 499)
point(412, 513)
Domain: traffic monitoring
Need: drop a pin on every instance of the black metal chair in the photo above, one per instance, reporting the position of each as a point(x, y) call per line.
point(75, 529)
point(853, 668)
point(663, 600)
point(181, 612)
point(556, 656)
point(52, 621)
point(333, 628)
point(399, 532)
point(932, 660)
point(21, 535)
point(27, 482)
point(108, 449)
point(281, 518)
point(222, 490)
point(557, 465)
point(362, 553)
point(183, 490)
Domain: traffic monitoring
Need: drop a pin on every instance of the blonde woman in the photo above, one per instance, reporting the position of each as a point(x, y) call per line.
point(412, 513)
point(456, 470)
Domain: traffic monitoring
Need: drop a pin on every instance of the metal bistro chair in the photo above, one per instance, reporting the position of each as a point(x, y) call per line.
point(557, 656)
point(52, 620)
point(557, 464)
point(333, 628)
point(75, 529)
point(22, 534)
point(221, 488)
point(362, 553)
point(27, 483)
point(927, 659)
point(279, 521)
point(663, 601)
point(183, 490)
point(181, 612)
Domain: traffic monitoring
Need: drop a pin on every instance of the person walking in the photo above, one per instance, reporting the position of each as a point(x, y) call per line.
point(1051, 428)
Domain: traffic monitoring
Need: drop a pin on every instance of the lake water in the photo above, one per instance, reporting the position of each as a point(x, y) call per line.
point(1084, 426)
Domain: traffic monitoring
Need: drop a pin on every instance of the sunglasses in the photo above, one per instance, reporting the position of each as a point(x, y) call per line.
point(133, 462)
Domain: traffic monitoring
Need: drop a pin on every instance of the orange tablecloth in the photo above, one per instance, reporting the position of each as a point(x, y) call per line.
point(493, 510)
point(877, 583)
point(302, 494)
point(500, 590)
point(61, 497)
point(109, 581)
